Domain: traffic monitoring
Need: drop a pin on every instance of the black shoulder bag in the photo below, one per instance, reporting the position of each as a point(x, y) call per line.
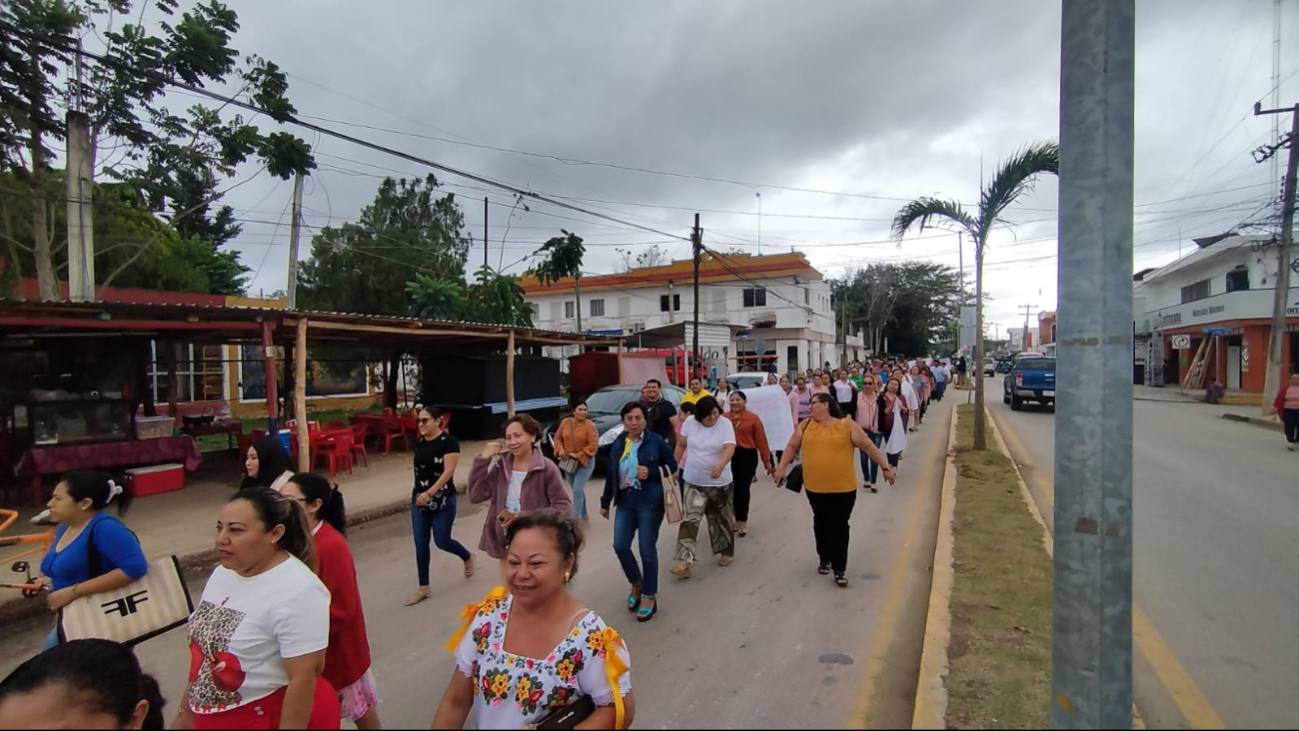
point(794, 478)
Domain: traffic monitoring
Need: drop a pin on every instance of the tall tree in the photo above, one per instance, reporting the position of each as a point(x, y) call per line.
point(911, 305)
point(176, 160)
point(498, 299)
point(561, 257)
point(363, 267)
point(1013, 178)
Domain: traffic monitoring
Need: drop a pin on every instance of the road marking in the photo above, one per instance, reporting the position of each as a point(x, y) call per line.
point(1190, 701)
point(895, 594)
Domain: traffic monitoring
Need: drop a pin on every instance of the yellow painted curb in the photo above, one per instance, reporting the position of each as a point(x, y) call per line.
point(1047, 540)
point(930, 711)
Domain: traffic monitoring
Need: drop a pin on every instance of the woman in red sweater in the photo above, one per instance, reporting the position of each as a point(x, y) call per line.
point(347, 660)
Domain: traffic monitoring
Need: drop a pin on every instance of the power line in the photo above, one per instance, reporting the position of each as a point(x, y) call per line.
point(292, 119)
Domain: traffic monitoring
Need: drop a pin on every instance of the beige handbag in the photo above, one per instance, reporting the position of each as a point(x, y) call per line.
point(671, 497)
point(159, 601)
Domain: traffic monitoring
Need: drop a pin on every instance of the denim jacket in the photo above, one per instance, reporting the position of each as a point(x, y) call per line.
point(654, 452)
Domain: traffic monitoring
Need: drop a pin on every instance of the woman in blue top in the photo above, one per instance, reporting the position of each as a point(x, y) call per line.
point(92, 551)
point(633, 483)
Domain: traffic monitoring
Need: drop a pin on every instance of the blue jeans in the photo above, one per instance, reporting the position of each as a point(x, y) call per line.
point(939, 388)
point(639, 511)
point(51, 640)
point(438, 522)
point(869, 470)
point(577, 481)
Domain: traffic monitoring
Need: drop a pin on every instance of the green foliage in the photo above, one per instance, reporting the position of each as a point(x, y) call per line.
point(561, 257)
point(175, 160)
point(437, 299)
point(133, 247)
point(498, 299)
point(361, 267)
point(912, 304)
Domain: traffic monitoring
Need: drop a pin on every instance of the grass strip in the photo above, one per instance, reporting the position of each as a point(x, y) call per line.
point(1000, 652)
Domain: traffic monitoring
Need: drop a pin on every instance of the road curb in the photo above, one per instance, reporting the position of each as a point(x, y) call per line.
point(21, 608)
point(1259, 421)
point(1035, 511)
point(930, 711)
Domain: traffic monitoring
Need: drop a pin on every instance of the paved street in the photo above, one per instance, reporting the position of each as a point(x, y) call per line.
point(1214, 555)
point(764, 643)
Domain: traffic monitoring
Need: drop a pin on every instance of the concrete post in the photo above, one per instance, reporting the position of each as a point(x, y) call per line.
point(79, 179)
point(1091, 658)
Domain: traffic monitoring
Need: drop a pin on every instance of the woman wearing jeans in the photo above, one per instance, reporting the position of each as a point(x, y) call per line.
point(868, 418)
point(433, 500)
point(576, 438)
point(633, 483)
point(827, 440)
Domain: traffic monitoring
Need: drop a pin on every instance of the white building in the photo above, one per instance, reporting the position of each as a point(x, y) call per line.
point(781, 305)
point(1221, 293)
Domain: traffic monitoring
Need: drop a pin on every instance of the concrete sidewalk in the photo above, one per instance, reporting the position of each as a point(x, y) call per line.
point(183, 523)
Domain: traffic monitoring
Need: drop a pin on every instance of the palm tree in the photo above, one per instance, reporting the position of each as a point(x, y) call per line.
point(1014, 177)
point(561, 257)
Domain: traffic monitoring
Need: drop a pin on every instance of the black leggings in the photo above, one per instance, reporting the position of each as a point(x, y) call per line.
point(1290, 418)
point(744, 467)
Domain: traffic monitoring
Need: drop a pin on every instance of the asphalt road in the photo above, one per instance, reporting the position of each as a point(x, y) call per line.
point(1215, 551)
point(764, 643)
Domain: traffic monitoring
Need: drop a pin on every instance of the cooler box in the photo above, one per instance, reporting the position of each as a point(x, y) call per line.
point(143, 481)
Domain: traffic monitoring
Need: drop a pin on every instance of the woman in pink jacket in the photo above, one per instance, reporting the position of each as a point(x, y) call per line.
point(518, 481)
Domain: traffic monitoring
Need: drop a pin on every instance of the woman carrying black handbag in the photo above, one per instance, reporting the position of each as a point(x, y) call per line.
point(826, 442)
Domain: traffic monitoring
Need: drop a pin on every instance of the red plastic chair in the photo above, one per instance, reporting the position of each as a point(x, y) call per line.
point(359, 433)
point(444, 422)
point(337, 448)
point(392, 431)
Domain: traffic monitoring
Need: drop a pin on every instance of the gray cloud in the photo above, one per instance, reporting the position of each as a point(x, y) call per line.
point(890, 99)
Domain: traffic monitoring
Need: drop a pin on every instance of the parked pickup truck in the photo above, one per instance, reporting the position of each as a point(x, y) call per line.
point(1030, 379)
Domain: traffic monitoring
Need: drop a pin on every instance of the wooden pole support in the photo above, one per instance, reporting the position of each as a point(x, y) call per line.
point(509, 373)
point(300, 397)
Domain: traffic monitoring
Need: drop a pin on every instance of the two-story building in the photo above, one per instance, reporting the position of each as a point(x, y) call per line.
point(1046, 331)
point(778, 306)
point(1223, 290)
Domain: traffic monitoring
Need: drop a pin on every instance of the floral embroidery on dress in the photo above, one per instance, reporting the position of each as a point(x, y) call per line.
point(529, 687)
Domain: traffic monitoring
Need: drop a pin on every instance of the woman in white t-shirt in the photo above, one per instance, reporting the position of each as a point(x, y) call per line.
point(709, 489)
point(257, 640)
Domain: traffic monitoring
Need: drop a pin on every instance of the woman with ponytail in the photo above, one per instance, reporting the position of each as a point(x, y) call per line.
point(258, 638)
point(347, 662)
point(92, 552)
point(82, 684)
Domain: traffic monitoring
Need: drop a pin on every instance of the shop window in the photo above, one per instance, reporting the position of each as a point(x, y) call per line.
point(1196, 291)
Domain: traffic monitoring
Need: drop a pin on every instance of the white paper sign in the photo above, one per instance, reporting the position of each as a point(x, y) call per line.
point(771, 404)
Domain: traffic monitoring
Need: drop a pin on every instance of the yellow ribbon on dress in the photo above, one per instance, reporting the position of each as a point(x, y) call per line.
point(615, 667)
point(468, 613)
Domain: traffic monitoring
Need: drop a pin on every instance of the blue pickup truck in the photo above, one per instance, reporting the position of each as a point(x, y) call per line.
point(1031, 378)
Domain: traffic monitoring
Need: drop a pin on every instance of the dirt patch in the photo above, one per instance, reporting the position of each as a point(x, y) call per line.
point(1000, 653)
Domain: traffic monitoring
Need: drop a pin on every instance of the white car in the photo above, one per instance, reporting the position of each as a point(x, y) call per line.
point(748, 379)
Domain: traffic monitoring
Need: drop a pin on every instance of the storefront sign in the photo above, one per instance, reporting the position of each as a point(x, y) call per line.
point(1181, 342)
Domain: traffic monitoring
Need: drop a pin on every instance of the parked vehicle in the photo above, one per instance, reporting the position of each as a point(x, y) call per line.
point(1031, 378)
point(989, 367)
point(603, 408)
point(749, 379)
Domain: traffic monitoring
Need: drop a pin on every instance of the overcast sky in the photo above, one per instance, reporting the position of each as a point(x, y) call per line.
point(869, 103)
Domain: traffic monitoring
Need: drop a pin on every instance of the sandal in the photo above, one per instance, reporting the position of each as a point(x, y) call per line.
point(418, 596)
point(823, 569)
point(470, 568)
point(841, 580)
point(645, 614)
point(634, 599)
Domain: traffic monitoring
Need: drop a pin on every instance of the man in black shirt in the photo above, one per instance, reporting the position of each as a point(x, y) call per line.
point(660, 415)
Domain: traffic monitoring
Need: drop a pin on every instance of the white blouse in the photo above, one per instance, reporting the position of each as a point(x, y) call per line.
point(511, 691)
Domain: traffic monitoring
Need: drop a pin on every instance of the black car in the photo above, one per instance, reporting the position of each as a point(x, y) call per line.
point(603, 409)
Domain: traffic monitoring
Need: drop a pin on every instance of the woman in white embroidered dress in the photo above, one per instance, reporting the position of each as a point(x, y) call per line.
point(524, 654)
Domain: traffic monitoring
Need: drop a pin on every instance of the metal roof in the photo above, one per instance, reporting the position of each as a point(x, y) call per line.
point(244, 323)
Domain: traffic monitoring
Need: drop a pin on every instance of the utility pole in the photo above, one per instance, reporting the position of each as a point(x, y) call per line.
point(759, 194)
point(1028, 310)
point(960, 253)
point(295, 232)
point(484, 231)
point(697, 245)
point(79, 182)
point(671, 303)
point(1091, 640)
point(1280, 297)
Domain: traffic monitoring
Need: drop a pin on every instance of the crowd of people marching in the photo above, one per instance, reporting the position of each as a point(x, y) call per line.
point(278, 639)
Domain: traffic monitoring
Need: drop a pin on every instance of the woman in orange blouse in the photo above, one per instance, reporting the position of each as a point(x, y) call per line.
point(576, 438)
point(750, 441)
